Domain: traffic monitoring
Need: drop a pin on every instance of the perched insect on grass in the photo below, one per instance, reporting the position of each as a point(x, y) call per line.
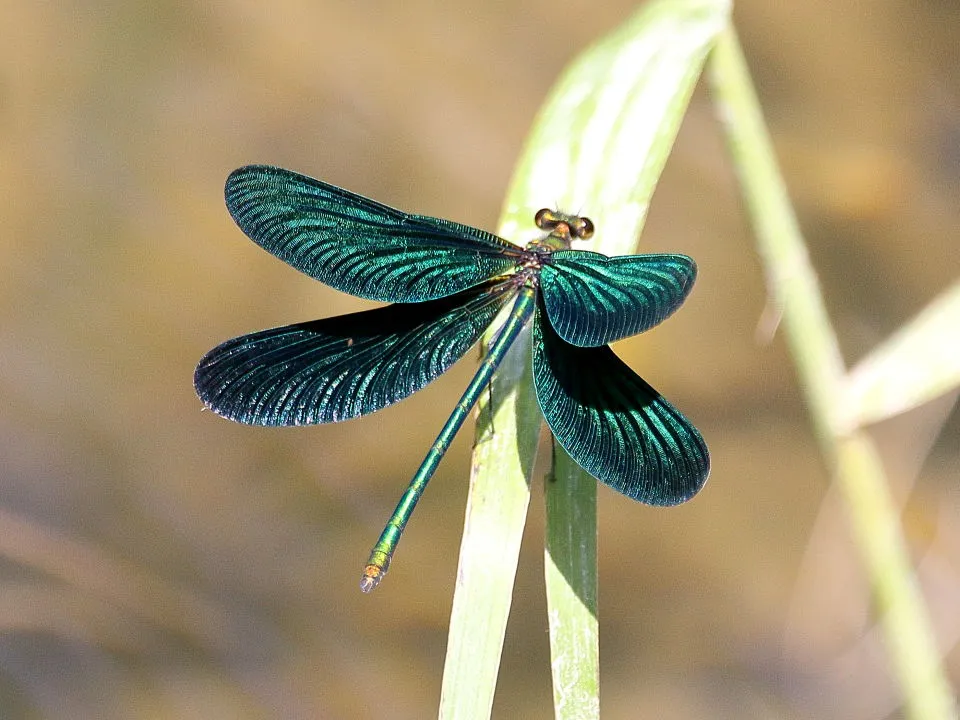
point(448, 282)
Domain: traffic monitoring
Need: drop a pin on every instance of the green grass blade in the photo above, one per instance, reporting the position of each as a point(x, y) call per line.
point(852, 455)
point(603, 135)
point(918, 363)
point(599, 146)
point(507, 433)
point(570, 567)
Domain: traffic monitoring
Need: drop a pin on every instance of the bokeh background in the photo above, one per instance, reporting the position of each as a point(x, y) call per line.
point(159, 562)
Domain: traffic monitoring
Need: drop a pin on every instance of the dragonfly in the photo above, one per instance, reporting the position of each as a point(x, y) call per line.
point(447, 283)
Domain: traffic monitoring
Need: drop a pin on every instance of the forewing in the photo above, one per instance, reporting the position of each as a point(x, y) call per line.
point(613, 424)
point(342, 367)
point(358, 245)
point(592, 299)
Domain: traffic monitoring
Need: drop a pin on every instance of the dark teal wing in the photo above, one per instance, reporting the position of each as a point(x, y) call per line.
point(342, 367)
point(593, 299)
point(613, 424)
point(358, 245)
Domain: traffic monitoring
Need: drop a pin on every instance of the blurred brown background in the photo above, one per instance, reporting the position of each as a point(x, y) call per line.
point(158, 561)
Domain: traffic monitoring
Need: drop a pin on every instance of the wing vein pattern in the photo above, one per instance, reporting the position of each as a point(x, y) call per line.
point(613, 424)
point(343, 367)
point(358, 245)
point(593, 300)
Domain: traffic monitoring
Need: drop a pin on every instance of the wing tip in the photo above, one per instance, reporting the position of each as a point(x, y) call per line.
point(690, 490)
point(240, 180)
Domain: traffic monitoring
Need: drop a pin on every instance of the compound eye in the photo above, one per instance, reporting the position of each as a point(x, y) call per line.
point(545, 219)
point(582, 228)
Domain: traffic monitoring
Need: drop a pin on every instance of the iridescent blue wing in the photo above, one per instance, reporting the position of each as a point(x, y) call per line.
point(342, 367)
point(357, 245)
point(592, 299)
point(613, 424)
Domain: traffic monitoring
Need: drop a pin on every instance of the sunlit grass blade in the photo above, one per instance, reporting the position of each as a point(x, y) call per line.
point(852, 455)
point(570, 572)
point(508, 430)
point(603, 135)
point(600, 143)
point(918, 363)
